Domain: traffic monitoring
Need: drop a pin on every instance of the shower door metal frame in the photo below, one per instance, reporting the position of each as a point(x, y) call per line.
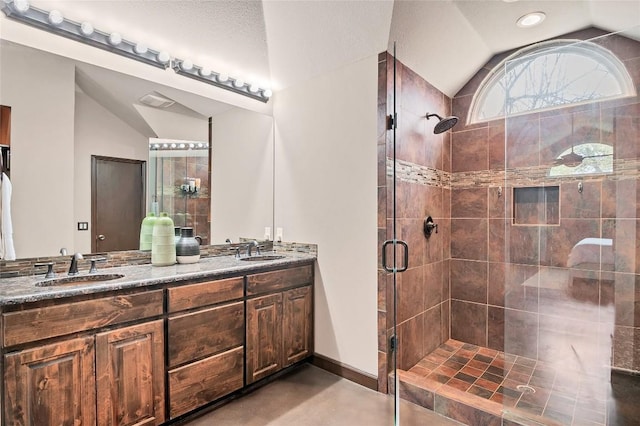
point(392, 121)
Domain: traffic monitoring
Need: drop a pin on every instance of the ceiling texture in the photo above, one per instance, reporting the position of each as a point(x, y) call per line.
point(278, 43)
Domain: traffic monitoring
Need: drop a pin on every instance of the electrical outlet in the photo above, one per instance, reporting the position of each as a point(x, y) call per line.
point(279, 234)
point(83, 226)
point(267, 232)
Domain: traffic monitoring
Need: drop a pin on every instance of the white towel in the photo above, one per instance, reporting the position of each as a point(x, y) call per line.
point(7, 251)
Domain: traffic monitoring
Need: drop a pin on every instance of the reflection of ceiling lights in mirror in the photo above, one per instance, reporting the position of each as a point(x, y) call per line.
point(176, 145)
point(84, 32)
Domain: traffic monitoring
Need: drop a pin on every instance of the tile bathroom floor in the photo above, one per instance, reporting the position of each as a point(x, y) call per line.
point(310, 396)
point(531, 388)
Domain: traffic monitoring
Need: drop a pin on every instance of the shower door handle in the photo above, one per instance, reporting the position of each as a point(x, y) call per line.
point(405, 256)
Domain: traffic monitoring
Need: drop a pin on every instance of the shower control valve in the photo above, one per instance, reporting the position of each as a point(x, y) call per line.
point(429, 227)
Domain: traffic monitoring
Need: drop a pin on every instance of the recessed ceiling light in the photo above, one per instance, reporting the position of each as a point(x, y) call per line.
point(530, 19)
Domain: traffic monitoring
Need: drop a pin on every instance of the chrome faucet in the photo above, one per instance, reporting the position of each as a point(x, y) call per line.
point(73, 268)
point(250, 247)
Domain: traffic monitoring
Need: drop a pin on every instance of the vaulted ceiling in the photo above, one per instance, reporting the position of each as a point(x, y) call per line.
point(281, 43)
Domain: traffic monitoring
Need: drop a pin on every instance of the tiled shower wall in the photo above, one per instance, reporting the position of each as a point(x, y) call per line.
point(423, 176)
point(511, 288)
point(185, 210)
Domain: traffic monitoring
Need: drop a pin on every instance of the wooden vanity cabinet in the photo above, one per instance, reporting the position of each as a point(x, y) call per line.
point(205, 343)
point(149, 356)
point(51, 385)
point(130, 375)
point(279, 323)
point(111, 377)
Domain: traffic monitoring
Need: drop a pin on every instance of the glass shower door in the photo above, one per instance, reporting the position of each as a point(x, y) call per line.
point(569, 317)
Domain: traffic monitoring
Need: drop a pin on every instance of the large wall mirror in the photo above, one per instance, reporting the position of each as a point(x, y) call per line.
point(66, 113)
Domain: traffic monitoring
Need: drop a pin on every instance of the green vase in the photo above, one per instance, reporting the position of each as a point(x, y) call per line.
point(163, 247)
point(146, 231)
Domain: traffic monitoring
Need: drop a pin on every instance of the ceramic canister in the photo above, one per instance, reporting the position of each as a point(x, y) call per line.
point(146, 231)
point(163, 247)
point(187, 247)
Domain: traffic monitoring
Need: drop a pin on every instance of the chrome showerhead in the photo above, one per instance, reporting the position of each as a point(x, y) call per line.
point(444, 124)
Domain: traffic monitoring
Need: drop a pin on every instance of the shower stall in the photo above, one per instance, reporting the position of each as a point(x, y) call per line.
point(525, 306)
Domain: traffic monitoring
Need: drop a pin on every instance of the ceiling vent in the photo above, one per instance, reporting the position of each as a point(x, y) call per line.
point(156, 101)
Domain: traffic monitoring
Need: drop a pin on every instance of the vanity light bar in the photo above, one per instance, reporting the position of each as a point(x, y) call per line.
point(84, 33)
point(188, 69)
point(55, 23)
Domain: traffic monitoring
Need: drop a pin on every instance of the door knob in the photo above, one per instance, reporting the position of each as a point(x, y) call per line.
point(101, 237)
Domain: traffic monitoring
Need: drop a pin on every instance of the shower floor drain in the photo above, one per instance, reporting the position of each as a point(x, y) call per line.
point(525, 389)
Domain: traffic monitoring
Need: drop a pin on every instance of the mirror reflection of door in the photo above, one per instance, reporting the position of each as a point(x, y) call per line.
point(117, 203)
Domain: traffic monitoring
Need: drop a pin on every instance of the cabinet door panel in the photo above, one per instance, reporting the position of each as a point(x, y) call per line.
point(297, 324)
point(130, 375)
point(264, 336)
point(51, 385)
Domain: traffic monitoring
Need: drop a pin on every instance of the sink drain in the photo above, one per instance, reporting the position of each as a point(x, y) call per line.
point(525, 389)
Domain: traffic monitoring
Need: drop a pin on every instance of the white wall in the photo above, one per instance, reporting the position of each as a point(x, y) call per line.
point(326, 193)
point(98, 132)
point(241, 175)
point(40, 90)
point(171, 125)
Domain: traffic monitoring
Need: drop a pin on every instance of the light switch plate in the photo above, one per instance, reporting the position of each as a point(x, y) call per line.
point(83, 226)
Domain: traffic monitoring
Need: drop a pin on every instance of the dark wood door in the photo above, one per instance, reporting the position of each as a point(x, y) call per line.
point(117, 203)
point(297, 323)
point(51, 385)
point(264, 336)
point(130, 375)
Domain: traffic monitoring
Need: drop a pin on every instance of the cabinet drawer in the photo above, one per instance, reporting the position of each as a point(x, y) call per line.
point(59, 320)
point(206, 332)
point(199, 383)
point(278, 280)
point(203, 294)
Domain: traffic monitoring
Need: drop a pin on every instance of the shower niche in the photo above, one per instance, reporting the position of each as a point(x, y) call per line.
point(536, 205)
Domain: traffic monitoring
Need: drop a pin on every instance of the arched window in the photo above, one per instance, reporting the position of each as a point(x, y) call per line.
point(550, 75)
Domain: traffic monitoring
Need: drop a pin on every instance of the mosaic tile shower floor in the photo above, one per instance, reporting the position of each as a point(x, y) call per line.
point(525, 388)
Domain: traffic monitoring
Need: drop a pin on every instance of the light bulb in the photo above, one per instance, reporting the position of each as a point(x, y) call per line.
point(223, 78)
point(156, 146)
point(163, 57)
point(86, 28)
point(165, 145)
point(192, 145)
point(140, 48)
point(205, 72)
point(238, 82)
point(199, 145)
point(182, 146)
point(186, 65)
point(21, 5)
point(55, 17)
point(254, 88)
point(267, 93)
point(115, 39)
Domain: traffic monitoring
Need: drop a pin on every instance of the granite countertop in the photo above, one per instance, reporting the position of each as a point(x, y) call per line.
point(14, 291)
